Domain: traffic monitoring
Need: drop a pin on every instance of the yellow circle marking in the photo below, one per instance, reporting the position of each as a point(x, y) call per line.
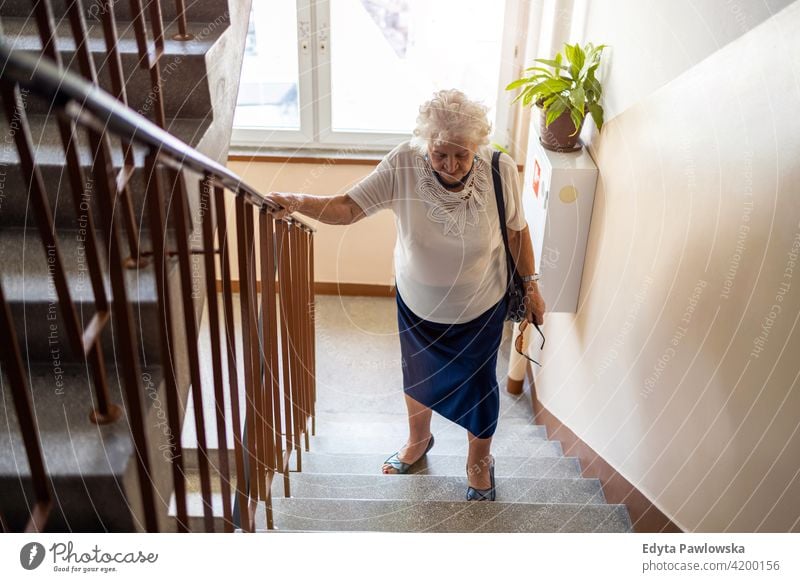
point(568, 194)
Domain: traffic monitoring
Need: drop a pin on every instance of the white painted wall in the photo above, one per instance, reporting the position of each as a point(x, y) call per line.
point(674, 368)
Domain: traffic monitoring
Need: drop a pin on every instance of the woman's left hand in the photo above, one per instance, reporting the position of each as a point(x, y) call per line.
point(534, 305)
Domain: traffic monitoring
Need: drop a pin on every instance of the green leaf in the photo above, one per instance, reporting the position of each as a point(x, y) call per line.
point(545, 89)
point(595, 51)
point(593, 86)
point(529, 96)
point(554, 112)
point(542, 70)
point(550, 100)
point(569, 50)
point(578, 98)
point(552, 63)
point(577, 120)
point(497, 146)
point(578, 57)
point(555, 85)
point(519, 83)
point(597, 114)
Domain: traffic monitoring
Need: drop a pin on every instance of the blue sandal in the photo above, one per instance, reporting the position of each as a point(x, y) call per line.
point(483, 494)
point(401, 467)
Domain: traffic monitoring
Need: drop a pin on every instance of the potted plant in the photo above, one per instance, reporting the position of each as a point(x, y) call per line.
point(565, 93)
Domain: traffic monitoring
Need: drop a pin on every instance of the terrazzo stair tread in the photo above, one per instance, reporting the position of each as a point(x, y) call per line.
point(420, 489)
point(444, 516)
point(440, 429)
point(33, 300)
point(71, 443)
point(196, 10)
point(399, 420)
point(189, 430)
point(15, 208)
point(195, 510)
point(438, 464)
point(86, 463)
point(183, 65)
point(388, 396)
point(534, 447)
point(369, 394)
point(529, 446)
point(437, 488)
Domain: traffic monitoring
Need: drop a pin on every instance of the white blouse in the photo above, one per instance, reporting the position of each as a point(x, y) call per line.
point(449, 258)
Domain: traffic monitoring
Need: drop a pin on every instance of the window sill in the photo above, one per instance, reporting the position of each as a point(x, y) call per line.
point(310, 156)
point(302, 155)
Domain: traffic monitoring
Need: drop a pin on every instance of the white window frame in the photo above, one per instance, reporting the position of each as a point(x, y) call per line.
point(314, 91)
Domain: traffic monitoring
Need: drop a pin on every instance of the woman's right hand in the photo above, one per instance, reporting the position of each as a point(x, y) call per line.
point(288, 202)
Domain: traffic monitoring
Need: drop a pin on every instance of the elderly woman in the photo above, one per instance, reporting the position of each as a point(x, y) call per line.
point(451, 272)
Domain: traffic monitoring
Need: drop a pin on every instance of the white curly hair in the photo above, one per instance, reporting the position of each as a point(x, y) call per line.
point(451, 117)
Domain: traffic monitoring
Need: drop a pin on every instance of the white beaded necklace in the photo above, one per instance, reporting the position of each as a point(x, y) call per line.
point(454, 210)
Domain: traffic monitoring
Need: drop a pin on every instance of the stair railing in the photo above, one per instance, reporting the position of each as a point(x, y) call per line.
point(273, 401)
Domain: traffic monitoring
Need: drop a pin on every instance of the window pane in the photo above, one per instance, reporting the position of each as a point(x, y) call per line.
point(404, 51)
point(268, 91)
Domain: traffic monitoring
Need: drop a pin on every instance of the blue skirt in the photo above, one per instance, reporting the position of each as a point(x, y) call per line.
point(451, 367)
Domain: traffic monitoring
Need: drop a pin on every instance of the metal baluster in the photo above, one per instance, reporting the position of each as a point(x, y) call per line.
point(183, 35)
point(181, 222)
point(313, 332)
point(265, 377)
point(255, 353)
point(12, 363)
point(161, 264)
point(230, 343)
point(245, 296)
point(216, 359)
point(284, 285)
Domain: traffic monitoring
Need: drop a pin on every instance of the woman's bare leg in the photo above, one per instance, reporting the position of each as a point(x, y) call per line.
point(419, 433)
point(478, 460)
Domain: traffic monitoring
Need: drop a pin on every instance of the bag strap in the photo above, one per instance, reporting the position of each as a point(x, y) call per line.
point(501, 212)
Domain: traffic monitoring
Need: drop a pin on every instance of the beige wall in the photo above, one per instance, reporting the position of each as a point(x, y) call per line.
point(677, 368)
point(359, 253)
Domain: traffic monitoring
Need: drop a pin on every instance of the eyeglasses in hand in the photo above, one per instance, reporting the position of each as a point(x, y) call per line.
point(521, 337)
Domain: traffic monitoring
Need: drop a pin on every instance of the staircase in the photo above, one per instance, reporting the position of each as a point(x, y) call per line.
point(360, 422)
point(93, 467)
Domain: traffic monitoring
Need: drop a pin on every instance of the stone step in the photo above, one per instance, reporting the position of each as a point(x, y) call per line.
point(196, 10)
point(183, 66)
point(444, 516)
point(441, 428)
point(356, 450)
point(15, 207)
point(437, 488)
point(34, 304)
point(432, 464)
point(438, 464)
point(93, 474)
point(382, 503)
point(516, 446)
point(399, 419)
